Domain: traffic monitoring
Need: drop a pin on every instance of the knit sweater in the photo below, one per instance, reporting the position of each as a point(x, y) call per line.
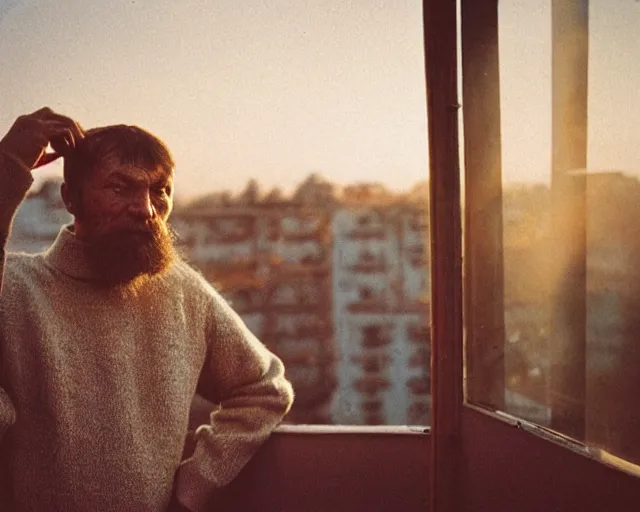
point(96, 387)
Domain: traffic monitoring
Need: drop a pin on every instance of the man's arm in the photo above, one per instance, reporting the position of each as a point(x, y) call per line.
point(249, 384)
point(22, 149)
point(15, 182)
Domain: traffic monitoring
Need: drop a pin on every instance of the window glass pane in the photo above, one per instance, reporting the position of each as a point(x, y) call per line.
point(570, 200)
point(613, 205)
point(300, 135)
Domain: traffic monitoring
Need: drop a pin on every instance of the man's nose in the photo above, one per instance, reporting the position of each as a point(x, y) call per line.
point(141, 207)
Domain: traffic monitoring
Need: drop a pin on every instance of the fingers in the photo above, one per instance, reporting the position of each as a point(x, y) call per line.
point(61, 132)
point(30, 135)
point(64, 134)
point(73, 131)
point(64, 138)
point(48, 117)
point(44, 111)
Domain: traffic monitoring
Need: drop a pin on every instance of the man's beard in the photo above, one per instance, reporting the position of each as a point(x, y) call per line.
point(125, 259)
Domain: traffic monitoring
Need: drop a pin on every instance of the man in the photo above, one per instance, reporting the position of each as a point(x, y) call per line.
point(107, 336)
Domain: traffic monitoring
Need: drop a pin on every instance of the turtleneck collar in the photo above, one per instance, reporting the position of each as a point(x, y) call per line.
point(68, 254)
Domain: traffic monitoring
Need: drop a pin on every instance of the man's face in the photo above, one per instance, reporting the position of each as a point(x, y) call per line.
point(124, 220)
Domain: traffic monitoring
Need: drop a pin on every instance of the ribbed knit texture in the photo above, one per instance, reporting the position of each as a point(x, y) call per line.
point(95, 387)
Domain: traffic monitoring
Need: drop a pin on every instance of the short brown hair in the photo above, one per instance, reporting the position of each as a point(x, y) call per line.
point(128, 144)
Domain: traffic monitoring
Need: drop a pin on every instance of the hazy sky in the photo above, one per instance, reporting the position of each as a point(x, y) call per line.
point(275, 89)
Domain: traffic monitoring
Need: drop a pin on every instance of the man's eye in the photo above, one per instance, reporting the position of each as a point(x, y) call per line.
point(162, 190)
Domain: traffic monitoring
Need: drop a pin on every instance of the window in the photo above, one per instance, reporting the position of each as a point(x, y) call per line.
point(375, 336)
point(364, 221)
point(366, 293)
point(553, 289)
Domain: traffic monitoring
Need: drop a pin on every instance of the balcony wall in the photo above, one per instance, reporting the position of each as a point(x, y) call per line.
point(334, 469)
point(379, 469)
point(507, 468)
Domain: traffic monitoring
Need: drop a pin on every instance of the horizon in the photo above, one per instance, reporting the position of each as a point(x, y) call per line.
point(263, 192)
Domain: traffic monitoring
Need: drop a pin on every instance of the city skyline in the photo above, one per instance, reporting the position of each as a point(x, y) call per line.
point(279, 90)
point(371, 192)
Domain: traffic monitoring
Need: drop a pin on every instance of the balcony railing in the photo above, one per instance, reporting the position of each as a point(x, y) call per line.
point(367, 233)
point(372, 385)
point(419, 385)
point(373, 305)
point(369, 267)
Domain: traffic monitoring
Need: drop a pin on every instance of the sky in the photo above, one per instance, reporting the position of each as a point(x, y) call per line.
point(277, 89)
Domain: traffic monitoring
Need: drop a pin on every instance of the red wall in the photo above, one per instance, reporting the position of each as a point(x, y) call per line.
point(508, 469)
point(504, 468)
point(334, 472)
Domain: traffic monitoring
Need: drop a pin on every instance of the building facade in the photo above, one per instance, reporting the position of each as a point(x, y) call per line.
point(380, 312)
point(337, 287)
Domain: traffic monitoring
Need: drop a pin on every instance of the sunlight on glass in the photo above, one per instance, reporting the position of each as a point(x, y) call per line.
point(571, 197)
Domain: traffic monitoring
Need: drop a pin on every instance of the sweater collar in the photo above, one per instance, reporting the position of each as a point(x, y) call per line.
point(68, 254)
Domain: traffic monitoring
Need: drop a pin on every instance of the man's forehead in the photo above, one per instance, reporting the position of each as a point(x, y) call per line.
point(135, 171)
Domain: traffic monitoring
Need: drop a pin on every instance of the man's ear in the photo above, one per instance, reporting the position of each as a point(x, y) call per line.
point(64, 192)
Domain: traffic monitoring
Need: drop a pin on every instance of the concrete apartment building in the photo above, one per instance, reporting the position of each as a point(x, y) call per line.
point(271, 259)
point(336, 287)
point(380, 314)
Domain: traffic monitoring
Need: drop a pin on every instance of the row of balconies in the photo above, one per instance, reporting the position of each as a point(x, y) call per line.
point(303, 332)
point(372, 407)
point(421, 356)
point(365, 264)
point(367, 233)
point(371, 363)
point(312, 374)
point(233, 228)
point(419, 412)
point(275, 233)
point(369, 267)
point(237, 260)
point(374, 384)
point(381, 305)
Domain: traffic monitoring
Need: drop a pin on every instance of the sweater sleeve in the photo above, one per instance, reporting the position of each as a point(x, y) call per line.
point(15, 182)
point(248, 382)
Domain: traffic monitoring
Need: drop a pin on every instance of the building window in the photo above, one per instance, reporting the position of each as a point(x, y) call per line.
point(366, 293)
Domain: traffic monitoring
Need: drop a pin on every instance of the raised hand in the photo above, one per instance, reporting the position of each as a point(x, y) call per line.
point(27, 139)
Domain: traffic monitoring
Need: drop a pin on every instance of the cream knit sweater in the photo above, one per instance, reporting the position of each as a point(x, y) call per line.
point(95, 389)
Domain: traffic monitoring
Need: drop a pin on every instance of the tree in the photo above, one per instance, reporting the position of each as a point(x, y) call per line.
point(251, 194)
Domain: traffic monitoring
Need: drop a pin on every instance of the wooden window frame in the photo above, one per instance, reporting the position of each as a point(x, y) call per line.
point(467, 300)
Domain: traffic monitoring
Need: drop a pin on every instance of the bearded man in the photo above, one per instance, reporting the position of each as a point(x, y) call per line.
point(107, 337)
